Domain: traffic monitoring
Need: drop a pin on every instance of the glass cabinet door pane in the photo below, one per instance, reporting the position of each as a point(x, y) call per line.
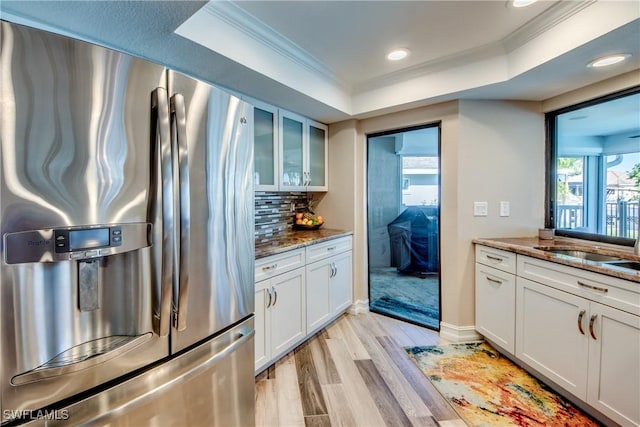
point(264, 145)
point(291, 152)
point(317, 141)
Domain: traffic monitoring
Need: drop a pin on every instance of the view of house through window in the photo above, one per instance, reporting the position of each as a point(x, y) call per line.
point(597, 168)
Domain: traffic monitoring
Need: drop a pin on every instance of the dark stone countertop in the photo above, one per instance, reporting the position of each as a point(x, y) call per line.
point(530, 246)
point(297, 239)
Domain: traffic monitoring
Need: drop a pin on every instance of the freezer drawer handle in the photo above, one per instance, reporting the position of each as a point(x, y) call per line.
point(178, 111)
point(195, 371)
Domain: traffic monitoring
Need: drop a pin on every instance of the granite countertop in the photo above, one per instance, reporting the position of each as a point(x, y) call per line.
point(297, 239)
point(529, 246)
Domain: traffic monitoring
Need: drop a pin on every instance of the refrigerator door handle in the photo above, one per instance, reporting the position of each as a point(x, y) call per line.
point(163, 179)
point(178, 111)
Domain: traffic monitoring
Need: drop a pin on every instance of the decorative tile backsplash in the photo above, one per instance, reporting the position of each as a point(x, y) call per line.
point(273, 214)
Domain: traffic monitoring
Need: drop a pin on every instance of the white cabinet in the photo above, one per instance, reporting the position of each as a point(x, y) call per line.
point(279, 305)
point(265, 147)
point(496, 296)
point(340, 293)
point(552, 334)
point(297, 293)
point(303, 152)
point(580, 330)
point(613, 386)
point(328, 289)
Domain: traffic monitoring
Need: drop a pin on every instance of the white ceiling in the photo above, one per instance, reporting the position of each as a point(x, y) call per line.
point(325, 59)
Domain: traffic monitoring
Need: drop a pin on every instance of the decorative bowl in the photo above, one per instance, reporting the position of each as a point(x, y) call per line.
point(306, 227)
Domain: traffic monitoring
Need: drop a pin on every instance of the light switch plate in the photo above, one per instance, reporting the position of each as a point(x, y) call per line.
point(504, 209)
point(480, 209)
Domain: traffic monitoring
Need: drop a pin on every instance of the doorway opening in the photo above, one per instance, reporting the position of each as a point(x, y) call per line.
point(403, 212)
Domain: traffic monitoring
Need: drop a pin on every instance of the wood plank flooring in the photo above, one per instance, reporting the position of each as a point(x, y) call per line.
point(353, 373)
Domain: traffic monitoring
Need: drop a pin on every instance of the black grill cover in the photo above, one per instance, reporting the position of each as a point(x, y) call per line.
point(414, 240)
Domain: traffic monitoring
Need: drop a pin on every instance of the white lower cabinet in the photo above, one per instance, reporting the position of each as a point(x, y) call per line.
point(614, 364)
point(496, 306)
point(294, 301)
point(587, 348)
point(280, 315)
point(328, 289)
point(551, 331)
point(578, 329)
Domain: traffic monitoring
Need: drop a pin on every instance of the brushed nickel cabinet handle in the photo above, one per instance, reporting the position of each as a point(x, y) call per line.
point(499, 282)
point(269, 293)
point(270, 267)
point(495, 258)
point(591, 322)
point(275, 296)
point(580, 316)
point(595, 288)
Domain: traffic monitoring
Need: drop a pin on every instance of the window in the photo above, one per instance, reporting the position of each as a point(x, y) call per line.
point(593, 186)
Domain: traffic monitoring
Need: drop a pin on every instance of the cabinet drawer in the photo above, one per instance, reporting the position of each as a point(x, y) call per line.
point(278, 264)
point(326, 249)
point(496, 258)
point(611, 291)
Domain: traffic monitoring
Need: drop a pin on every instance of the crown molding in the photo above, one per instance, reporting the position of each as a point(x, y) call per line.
point(548, 19)
point(542, 23)
point(251, 26)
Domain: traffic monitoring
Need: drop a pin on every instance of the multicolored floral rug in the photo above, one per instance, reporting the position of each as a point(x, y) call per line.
point(487, 389)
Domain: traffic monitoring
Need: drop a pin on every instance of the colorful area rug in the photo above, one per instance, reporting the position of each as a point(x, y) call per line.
point(487, 389)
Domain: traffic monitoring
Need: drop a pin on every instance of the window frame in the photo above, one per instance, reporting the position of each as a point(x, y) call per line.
point(551, 170)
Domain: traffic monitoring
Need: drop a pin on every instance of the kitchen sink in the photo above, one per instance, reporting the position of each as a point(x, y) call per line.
point(633, 265)
point(580, 254)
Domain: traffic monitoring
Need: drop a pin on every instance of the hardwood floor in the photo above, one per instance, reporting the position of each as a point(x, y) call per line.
point(353, 373)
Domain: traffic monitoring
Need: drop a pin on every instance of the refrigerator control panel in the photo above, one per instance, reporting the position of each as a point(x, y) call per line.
point(75, 243)
point(86, 239)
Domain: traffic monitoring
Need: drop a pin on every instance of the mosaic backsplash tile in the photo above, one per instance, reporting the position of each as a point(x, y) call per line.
point(273, 215)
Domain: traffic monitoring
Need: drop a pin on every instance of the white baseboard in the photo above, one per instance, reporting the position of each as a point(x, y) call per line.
point(359, 307)
point(458, 334)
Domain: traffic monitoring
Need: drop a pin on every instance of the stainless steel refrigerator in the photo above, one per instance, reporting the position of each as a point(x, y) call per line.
point(126, 280)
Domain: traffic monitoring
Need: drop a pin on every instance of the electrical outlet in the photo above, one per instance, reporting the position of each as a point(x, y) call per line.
point(480, 209)
point(504, 209)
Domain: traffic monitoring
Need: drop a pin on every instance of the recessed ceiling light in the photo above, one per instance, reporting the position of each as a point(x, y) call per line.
point(608, 60)
point(523, 3)
point(398, 54)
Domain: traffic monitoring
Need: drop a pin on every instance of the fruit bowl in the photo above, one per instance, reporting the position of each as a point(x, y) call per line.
point(306, 227)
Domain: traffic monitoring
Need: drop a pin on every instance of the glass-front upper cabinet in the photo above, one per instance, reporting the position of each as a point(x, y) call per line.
point(266, 153)
point(292, 151)
point(316, 170)
point(304, 152)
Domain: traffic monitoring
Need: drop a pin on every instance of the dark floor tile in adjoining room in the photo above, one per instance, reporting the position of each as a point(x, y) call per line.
point(415, 298)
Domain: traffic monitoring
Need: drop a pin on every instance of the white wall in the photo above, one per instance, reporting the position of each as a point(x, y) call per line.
point(474, 135)
point(490, 151)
